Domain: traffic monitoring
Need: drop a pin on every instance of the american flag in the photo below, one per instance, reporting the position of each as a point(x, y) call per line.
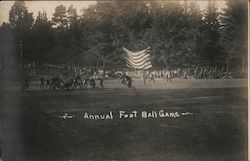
point(138, 60)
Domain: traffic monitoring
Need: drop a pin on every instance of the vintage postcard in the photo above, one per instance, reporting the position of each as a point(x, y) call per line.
point(117, 80)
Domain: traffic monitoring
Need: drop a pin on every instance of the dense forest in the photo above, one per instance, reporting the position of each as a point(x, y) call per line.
point(179, 33)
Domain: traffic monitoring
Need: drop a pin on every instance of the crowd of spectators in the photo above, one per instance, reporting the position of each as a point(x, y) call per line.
point(207, 72)
point(192, 73)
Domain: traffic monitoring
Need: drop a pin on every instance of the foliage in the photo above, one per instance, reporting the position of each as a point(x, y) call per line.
point(179, 33)
point(234, 32)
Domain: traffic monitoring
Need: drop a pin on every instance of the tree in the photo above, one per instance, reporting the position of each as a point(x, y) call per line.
point(59, 18)
point(104, 31)
point(169, 31)
point(20, 19)
point(193, 33)
point(60, 24)
point(74, 28)
point(72, 17)
point(212, 53)
point(234, 29)
point(177, 32)
point(21, 22)
point(7, 46)
point(41, 43)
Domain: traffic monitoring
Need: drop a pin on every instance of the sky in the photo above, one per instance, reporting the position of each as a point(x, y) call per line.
point(49, 7)
point(35, 6)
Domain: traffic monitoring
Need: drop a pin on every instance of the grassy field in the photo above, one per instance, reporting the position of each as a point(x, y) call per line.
point(216, 130)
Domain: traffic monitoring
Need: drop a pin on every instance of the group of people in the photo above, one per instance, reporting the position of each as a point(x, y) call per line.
point(78, 78)
point(218, 73)
point(195, 72)
point(126, 80)
point(57, 83)
point(207, 72)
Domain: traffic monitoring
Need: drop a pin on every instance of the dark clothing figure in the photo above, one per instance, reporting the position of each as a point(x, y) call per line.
point(53, 82)
point(123, 81)
point(85, 85)
point(169, 74)
point(92, 82)
point(68, 84)
point(144, 78)
point(78, 82)
point(56, 82)
point(48, 84)
point(151, 77)
point(26, 84)
point(101, 83)
point(129, 79)
point(42, 85)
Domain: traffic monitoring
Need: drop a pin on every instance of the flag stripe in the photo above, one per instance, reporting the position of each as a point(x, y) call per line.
point(139, 66)
point(147, 66)
point(145, 58)
point(140, 53)
point(138, 60)
point(136, 64)
point(136, 53)
point(134, 58)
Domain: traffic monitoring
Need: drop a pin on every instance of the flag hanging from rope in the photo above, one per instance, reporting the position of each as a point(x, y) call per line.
point(138, 60)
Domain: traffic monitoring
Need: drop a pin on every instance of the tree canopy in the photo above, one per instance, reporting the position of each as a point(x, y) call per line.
point(180, 34)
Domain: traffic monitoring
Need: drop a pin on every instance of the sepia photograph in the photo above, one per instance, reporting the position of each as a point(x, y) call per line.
point(124, 80)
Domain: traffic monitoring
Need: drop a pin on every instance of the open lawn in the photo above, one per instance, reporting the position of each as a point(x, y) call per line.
point(214, 129)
